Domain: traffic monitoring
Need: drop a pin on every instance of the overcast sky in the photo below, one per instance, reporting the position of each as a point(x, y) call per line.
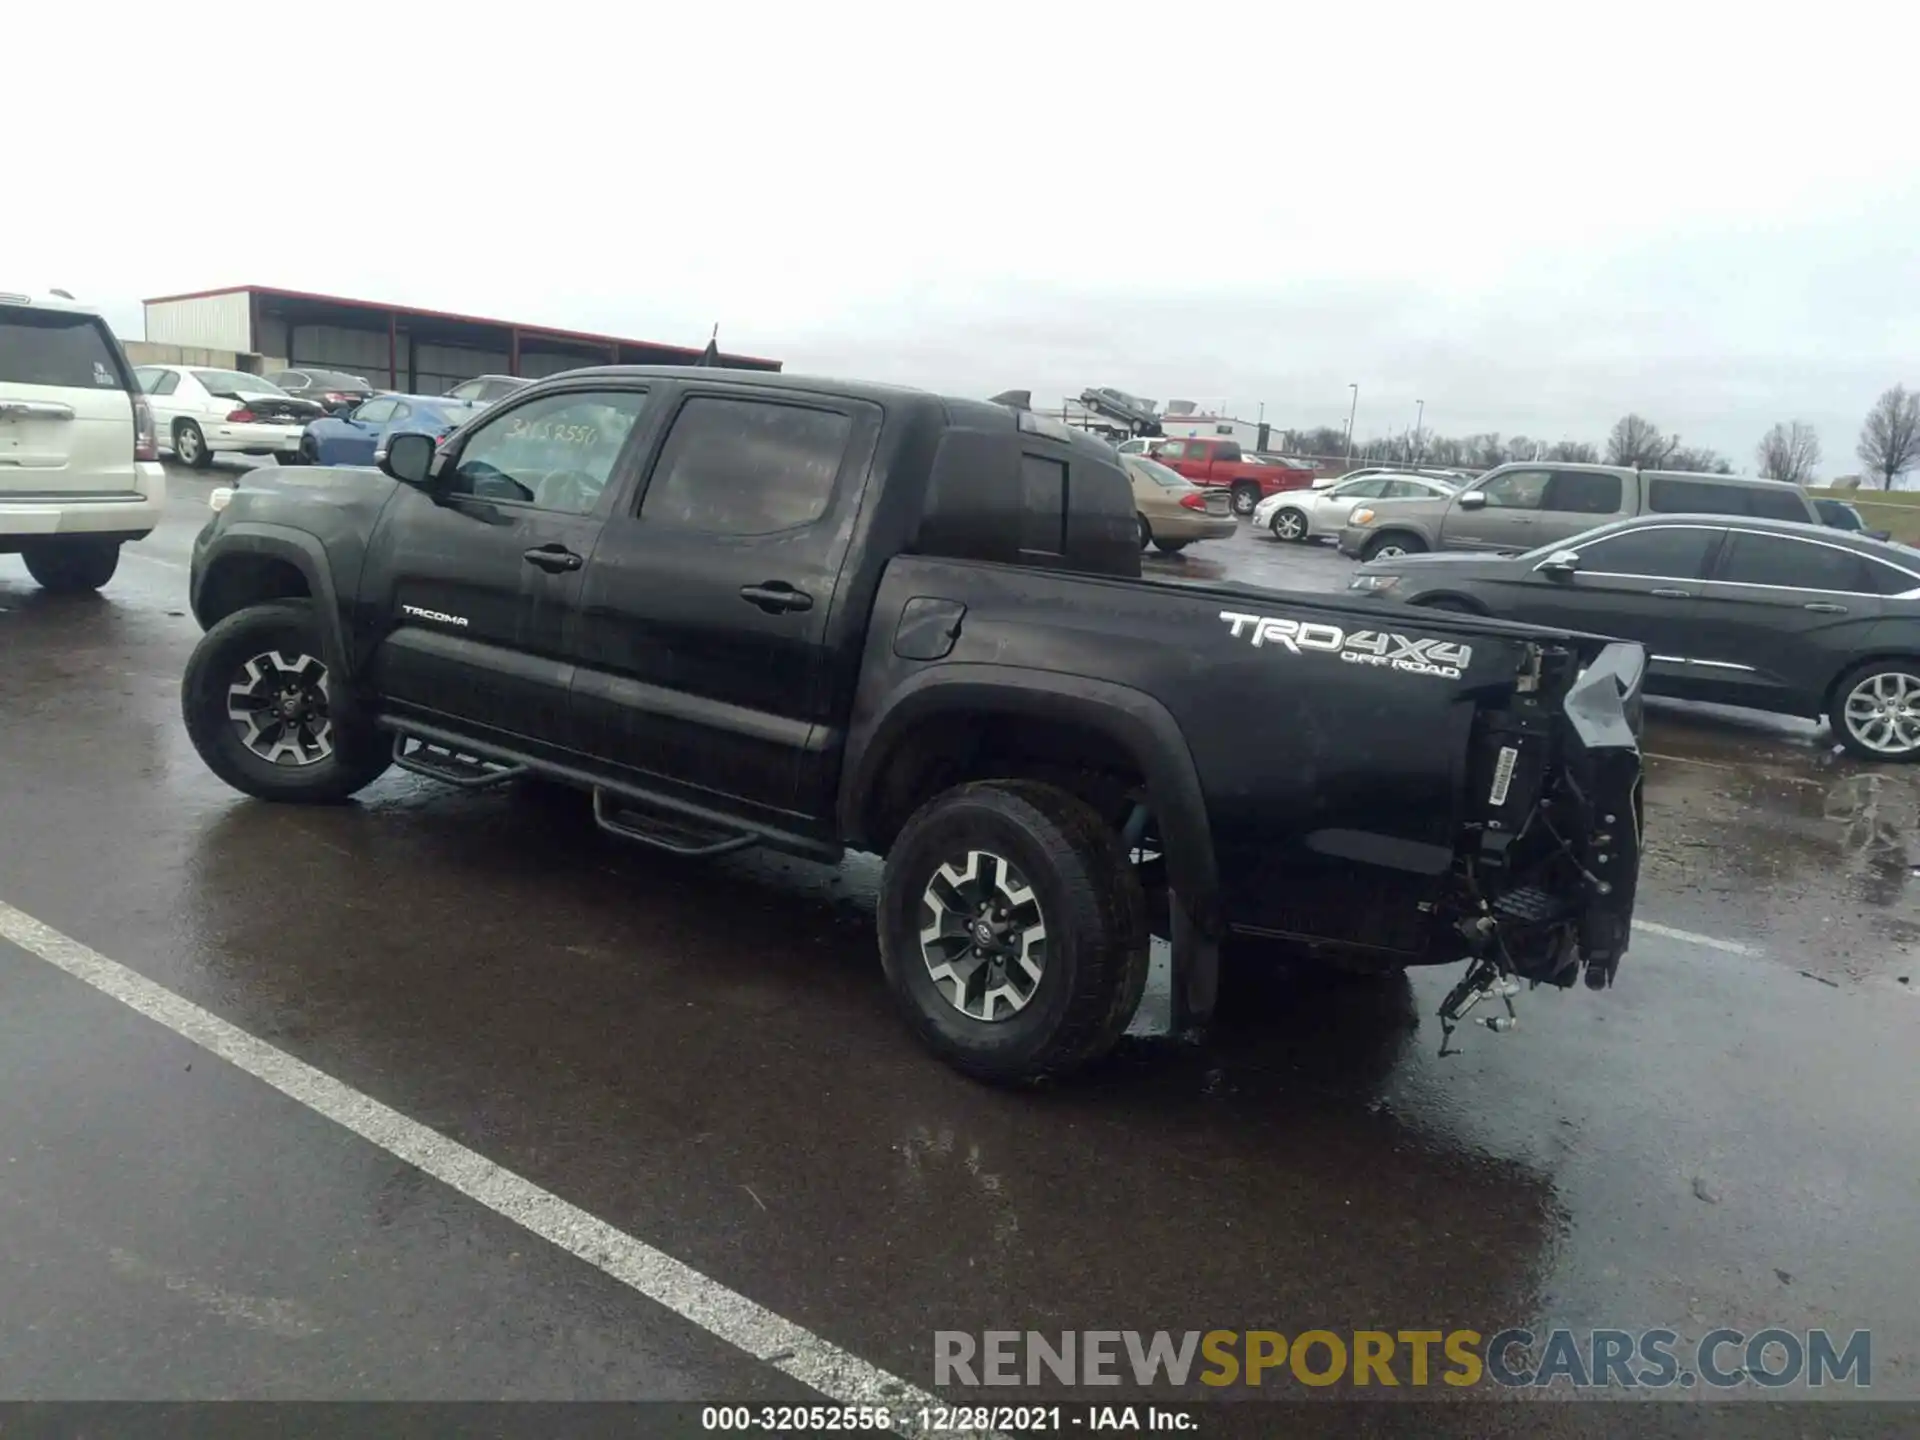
point(1695, 211)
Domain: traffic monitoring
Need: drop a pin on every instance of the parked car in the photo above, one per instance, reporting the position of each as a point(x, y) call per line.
point(689, 593)
point(1796, 618)
point(486, 389)
point(1319, 513)
point(353, 438)
point(80, 473)
point(1842, 516)
point(201, 412)
point(1211, 462)
point(332, 390)
point(1137, 415)
point(1519, 506)
point(1173, 511)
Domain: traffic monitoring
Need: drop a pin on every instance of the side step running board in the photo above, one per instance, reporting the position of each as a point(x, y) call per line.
point(438, 762)
point(663, 830)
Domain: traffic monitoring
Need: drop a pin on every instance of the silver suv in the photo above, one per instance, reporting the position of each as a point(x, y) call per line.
point(1527, 504)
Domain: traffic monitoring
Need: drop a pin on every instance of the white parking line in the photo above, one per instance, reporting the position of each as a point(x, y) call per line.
point(154, 560)
point(1732, 947)
point(767, 1337)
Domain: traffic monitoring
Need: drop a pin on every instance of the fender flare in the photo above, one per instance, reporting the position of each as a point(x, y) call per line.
point(1134, 720)
point(306, 554)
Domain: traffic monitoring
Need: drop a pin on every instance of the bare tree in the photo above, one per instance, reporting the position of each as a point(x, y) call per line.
point(1635, 440)
point(1575, 452)
point(1485, 449)
point(1890, 440)
point(1789, 452)
point(1697, 458)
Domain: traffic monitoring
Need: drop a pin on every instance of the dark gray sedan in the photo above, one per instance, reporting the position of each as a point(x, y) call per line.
point(1797, 619)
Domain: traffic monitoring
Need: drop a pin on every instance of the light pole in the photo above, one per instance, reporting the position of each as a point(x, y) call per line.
point(1352, 410)
point(1419, 413)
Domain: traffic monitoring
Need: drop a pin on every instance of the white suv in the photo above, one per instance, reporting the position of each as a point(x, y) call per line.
point(79, 470)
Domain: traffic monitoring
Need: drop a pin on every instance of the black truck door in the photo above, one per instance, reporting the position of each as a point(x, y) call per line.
point(470, 597)
point(705, 610)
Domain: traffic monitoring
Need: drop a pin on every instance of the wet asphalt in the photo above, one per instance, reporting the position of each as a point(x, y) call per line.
point(702, 1055)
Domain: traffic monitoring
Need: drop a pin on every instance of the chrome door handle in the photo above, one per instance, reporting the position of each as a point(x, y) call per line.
point(1672, 594)
point(1821, 607)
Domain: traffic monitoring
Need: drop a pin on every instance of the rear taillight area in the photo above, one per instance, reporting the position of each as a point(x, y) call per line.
point(240, 416)
point(1195, 500)
point(145, 445)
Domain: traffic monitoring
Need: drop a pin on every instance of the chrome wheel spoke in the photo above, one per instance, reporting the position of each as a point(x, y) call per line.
point(1882, 712)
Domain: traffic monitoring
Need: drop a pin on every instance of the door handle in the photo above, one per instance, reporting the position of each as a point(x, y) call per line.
point(1821, 607)
point(775, 596)
point(553, 558)
point(1672, 594)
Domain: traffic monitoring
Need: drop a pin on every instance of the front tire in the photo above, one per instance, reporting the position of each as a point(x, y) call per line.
point(259, 705)
point(1245, 499)
point(292, 457)
point(1876, 711)
point(1290, 523)
point(1013, 931)
point(1392, 547)
point(73, 566)
point(190, 445)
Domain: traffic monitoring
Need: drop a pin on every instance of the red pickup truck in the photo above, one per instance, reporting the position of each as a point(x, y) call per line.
point(1221, 462)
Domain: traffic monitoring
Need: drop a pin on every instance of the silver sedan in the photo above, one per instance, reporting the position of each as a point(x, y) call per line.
point(1316, 514)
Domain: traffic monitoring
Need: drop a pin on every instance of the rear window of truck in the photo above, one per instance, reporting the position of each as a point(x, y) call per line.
point(1703, 497)
point(58, 348)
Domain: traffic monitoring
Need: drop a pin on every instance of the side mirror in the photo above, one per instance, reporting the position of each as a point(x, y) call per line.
point(1473, 499)
point(408, 458)
point(1560, 564)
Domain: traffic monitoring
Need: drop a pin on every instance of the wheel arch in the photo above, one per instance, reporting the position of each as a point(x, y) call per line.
point(887, 770)
point(1442, 599)
point(254, 563)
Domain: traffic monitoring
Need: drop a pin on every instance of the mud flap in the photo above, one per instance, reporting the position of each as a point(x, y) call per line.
point(1196, 971)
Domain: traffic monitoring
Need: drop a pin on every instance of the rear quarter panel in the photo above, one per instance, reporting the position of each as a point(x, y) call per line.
point(1333, 773)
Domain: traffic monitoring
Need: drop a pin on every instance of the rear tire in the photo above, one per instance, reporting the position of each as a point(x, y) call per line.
point(1889, 735)
point(1170, 547)
point(190, 445)
point(1245, 498)
point(1290, 523)
point(276, 649)
point(1059, 868)
point(1393, 545)
point(1146, 530)
point(71, 566)
point(292, 457)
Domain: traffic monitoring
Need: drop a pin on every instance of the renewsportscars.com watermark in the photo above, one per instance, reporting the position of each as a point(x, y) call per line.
point(1722, 1359)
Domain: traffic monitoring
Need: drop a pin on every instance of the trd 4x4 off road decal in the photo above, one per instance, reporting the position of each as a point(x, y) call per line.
point(1357, 647)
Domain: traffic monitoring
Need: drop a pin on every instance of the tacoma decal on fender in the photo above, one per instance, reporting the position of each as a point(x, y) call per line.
point(1358, 647)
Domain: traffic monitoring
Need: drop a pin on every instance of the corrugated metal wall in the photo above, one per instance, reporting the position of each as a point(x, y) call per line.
point(208, 322)
point(438, 368)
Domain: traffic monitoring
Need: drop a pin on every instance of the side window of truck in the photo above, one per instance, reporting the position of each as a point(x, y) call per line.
point(555, 454)
point(1516, 490)
point(1581, 492)
point(1702, 497)
point(746, 467)
point(1043, 513)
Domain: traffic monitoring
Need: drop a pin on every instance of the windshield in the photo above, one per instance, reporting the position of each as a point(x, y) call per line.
point(1159, 474)
point(334, 380)
point(219, 382)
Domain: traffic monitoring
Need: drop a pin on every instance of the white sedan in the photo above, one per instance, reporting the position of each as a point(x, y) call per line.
point(1317, 514)
point(198, 412)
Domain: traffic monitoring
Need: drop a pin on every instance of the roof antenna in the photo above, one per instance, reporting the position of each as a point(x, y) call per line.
point(1014, 399)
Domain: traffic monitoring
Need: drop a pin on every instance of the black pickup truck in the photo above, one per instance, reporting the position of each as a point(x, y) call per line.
point(742, 609)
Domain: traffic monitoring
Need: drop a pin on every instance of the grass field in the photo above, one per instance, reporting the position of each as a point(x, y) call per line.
point(1897, 511)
